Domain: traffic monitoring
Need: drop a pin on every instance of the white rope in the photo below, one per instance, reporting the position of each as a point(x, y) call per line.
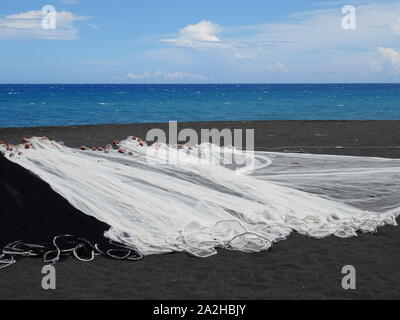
point(80, 248)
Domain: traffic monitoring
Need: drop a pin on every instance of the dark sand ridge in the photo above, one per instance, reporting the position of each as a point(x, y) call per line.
point(297, 268)
point(358, 138)
point(31, 211)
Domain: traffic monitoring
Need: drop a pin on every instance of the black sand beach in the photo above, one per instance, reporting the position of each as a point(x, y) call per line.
point(298, 268)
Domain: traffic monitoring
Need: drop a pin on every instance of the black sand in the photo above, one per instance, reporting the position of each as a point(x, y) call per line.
point(358, 138)
point(299, 268)
point(32, 212)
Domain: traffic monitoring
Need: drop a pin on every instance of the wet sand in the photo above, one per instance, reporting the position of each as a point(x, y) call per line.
point(298, 268)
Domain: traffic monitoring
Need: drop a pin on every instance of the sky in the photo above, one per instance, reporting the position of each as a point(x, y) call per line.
point(208, 41)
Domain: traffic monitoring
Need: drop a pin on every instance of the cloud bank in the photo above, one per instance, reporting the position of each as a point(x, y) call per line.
point(309, 46)
point(28, 25)
point(160, 75)
point(393, 56)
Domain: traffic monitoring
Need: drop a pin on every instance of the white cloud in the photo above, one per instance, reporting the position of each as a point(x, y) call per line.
point(277, 67)
point(70, 2)
point(184, 75)
point(396, 27)
point(160, 75)
point(376, 66)
point(245, 55)
point(104, 63)
point(203, 34)
point(312, 43)
point(393, 56)
point(133, 76)
point(29, 25)
point(321, 30)
point(310, 31)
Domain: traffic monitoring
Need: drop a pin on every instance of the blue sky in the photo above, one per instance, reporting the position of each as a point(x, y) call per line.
point(184, 41)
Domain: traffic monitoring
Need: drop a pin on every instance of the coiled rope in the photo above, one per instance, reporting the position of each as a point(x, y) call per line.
point(64, 246)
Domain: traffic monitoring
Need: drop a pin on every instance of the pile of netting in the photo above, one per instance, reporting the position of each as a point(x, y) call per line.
point(163, 198)
point(33, 216)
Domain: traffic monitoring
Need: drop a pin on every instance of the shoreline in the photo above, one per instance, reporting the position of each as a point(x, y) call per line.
point(297, 268)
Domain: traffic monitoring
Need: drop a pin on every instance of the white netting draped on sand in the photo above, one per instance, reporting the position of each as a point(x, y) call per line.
point(189, 204)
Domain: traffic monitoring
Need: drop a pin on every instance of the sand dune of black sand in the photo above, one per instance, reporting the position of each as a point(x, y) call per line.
point(32, 212)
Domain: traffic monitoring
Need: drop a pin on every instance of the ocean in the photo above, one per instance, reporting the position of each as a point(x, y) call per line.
point(62, 105)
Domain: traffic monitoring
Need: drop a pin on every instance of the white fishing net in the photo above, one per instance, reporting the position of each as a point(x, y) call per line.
point(162, 199)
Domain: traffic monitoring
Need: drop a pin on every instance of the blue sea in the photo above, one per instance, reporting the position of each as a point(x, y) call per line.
point(62, 105)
